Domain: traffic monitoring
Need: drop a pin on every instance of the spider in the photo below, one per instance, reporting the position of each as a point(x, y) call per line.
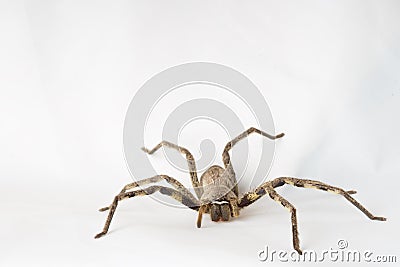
point(217, 191)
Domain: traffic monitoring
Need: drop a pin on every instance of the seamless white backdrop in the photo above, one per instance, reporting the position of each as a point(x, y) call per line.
point(68, 70)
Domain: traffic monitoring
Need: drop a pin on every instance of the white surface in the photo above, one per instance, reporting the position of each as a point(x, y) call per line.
point(68, 70)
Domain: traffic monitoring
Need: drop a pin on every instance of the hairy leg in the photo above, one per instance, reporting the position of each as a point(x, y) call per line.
point(325, 187)
point(266, 188)
point(295, 234)
point(176, 184)
point(225, 154)
point(148, 191)
point(190, 160)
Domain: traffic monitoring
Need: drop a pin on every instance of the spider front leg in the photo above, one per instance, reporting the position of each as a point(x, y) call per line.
point(175, 183)
point(325, 187)
point(190, 161)
point(148, 191)
point(225, 155)
point(227, 159)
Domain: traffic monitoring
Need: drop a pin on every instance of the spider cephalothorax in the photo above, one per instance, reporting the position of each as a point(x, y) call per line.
point(218, 197)
point(217, 191)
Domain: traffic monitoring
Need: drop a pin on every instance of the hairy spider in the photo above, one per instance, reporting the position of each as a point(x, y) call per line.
point(217, 191)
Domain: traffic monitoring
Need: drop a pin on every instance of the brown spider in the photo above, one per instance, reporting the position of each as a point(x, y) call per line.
point(217, 189)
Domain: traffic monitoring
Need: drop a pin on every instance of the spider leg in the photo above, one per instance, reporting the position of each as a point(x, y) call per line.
point(325, 187)
point(225, 154)
point(177, 185)
point(148, 191)
point(190, 160)
point(278, 198)
point(266, 188)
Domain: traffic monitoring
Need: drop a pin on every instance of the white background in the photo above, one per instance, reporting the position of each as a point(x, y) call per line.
point(68, 70)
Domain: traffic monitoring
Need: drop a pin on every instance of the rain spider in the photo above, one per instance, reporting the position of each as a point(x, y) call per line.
point(217, 191)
